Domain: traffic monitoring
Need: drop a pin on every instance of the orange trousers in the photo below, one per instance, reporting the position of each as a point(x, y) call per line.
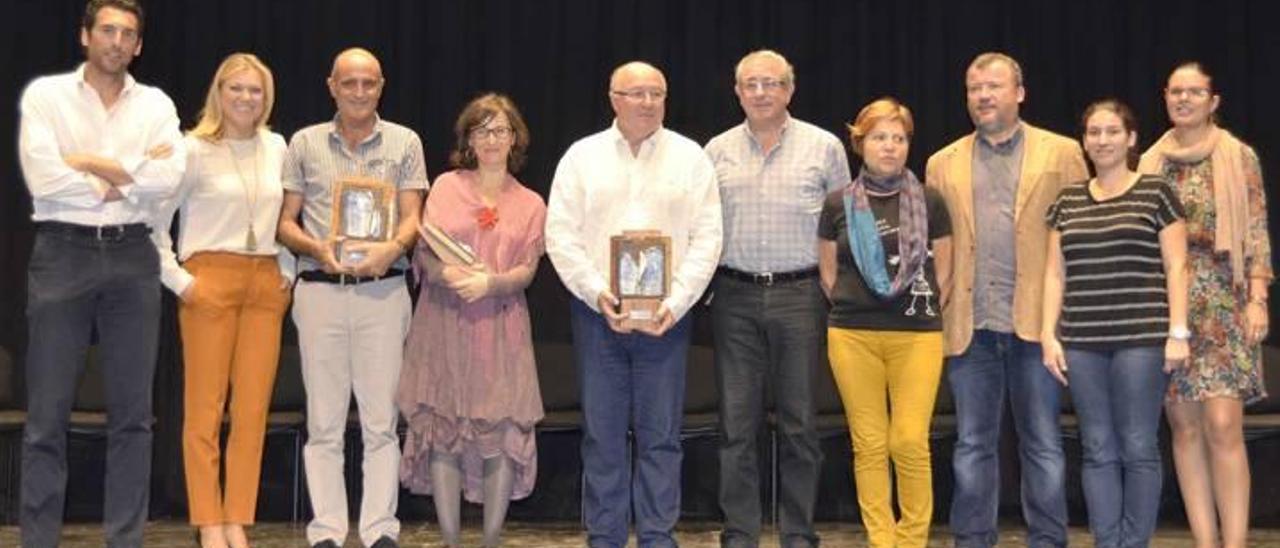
point(230, 321)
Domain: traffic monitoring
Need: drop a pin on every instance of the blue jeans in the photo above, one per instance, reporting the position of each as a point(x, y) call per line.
point(634, 382)
point(1118, 396)
point(996, 364)
point(768, 336)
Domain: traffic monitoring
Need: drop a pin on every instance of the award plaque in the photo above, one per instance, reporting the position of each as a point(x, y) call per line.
point(364, 210)
point(640, 274)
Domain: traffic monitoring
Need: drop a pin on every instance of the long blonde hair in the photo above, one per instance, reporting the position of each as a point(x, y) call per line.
point(210, 127)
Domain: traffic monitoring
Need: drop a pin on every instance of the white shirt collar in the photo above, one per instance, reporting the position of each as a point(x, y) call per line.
point(129, 81)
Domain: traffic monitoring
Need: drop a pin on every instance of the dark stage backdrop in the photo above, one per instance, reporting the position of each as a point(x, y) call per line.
point(553, 57)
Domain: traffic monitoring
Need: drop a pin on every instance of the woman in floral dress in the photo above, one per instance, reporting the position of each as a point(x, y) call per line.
point(1219, 180)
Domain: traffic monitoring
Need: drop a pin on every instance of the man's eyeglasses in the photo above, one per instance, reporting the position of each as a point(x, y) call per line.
point(763, 85)
point(639, 95)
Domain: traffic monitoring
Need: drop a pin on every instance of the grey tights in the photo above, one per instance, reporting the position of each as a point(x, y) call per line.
point(446, 480)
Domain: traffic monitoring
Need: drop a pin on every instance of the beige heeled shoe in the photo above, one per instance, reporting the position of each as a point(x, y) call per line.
point(235, 535)
point(211, 536)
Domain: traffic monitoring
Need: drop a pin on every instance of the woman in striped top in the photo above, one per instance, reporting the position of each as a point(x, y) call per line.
point(1115, 296)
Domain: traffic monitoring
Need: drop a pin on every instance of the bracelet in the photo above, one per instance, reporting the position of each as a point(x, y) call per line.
point(1258, 300)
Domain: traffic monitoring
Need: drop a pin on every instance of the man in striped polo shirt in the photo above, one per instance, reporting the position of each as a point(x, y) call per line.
point(352, 318)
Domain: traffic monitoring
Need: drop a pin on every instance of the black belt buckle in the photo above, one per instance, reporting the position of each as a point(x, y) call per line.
point(110, 233)
point(763, 278)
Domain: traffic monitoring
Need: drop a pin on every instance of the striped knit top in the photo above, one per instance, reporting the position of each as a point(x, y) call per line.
point(1114, 293)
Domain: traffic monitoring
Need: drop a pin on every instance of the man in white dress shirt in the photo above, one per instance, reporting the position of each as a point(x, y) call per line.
point(98, 151)
point(636, 175)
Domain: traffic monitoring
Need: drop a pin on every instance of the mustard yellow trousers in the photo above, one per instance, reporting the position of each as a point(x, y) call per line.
point(888, 381)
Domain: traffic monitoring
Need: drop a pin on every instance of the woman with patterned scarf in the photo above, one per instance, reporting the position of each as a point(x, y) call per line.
point(885, 261)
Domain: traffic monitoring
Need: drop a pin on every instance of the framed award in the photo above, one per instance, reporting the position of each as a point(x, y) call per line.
point(364, 210)
point(640, 274)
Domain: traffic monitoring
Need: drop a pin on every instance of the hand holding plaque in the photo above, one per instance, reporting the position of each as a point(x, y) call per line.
point(640, 276)
point(364, 210)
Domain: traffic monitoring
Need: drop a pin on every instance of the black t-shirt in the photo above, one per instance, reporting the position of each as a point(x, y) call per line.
point(1114, 291)
point(853, 304)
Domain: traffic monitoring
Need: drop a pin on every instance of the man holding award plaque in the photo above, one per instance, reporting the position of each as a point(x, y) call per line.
point(768, 317)
point(357, 182)
point(633, 230)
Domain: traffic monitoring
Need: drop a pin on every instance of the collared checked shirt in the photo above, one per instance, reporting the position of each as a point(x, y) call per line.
point(62, 114)
point(996, 169)
point(318, 158)
point(772, 201)
point(601, 189)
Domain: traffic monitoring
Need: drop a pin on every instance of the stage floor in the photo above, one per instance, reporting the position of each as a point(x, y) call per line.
point(546, 535)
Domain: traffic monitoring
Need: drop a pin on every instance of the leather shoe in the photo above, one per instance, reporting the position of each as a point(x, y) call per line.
point(385, 541)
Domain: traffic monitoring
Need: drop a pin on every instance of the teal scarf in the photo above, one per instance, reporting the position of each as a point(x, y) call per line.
point(864, 239)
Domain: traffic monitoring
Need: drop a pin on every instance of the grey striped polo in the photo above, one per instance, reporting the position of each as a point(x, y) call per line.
point(318, 157)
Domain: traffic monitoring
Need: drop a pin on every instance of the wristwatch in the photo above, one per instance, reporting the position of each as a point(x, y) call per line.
point(1179, 333)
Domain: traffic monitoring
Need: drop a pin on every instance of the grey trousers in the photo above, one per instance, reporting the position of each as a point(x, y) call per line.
point(75, 284)
point(351, 338)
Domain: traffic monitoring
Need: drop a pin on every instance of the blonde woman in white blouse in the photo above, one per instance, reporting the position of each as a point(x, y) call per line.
point(233, 282)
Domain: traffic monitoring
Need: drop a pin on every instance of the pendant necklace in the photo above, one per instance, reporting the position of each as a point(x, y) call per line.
point(250, 197)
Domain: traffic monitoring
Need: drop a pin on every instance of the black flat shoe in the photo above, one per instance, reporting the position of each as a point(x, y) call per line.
point(385, 541)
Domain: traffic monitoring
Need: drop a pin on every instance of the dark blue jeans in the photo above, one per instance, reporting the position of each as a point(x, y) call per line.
point(996, 364)
point(634, 382)
point(776, 336)
point(76, 284)
point(1118, 397)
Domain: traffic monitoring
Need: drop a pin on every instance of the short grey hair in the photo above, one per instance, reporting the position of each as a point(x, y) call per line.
point(789, 75)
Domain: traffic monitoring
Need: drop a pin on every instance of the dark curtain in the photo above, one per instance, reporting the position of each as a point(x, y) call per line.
point(553, 57)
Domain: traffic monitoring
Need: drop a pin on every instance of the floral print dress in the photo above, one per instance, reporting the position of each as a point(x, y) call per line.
point(1222, 362)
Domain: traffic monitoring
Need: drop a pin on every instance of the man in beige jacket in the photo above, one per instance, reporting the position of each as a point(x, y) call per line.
point(1006, 173)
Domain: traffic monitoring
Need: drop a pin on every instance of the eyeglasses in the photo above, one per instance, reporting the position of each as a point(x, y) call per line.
point(763, 85)
point(484, 133)
point(639, 95)
point(1198, 93)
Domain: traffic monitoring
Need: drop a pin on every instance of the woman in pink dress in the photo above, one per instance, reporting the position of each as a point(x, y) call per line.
point(469, 388)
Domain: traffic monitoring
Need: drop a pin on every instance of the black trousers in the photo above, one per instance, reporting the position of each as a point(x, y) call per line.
point(77, 282)
point(768, 337)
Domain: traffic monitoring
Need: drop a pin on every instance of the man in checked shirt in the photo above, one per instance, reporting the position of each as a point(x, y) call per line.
point(769, 314)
